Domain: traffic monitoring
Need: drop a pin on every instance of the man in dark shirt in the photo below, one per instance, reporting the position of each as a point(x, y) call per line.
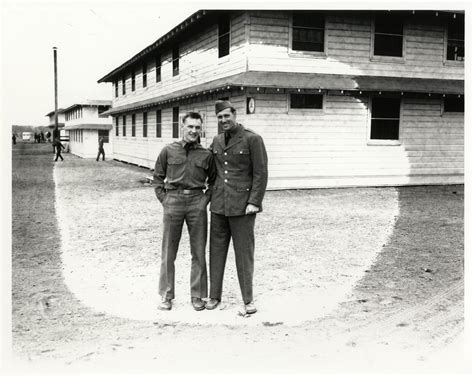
point(101, 149)
point(180, 177)
point(58, 146)
point(241, 179)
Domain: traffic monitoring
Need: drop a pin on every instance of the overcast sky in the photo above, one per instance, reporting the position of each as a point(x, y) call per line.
point(93, 38)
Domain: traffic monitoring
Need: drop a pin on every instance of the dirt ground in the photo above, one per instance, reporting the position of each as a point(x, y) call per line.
point(366, 279)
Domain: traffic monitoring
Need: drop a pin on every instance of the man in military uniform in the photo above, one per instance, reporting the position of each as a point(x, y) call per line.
point(180, 176)
point(242, 174)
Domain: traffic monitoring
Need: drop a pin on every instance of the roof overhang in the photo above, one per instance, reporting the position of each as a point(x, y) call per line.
point(88, 126)
point(313, 82)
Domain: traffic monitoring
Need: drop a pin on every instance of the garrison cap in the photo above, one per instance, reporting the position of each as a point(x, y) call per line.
point(222, 105)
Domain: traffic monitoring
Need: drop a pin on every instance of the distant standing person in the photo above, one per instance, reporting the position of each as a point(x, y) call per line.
point(241, 180)
point(101, 149)
point(181, 171)
point(42, 136)
point(58, 145)
point(14, 139)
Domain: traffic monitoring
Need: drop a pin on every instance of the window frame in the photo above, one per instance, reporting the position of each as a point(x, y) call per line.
point(175, 61)
point(220, 36)
point(452, 113)
point(144, 75)
point(158, 66)
point(117, 125)
point(175, 122)
point(445, 55)
point(382, 142)
point(145, 124)
point(133, 79)
point(124, 85)
point(134, 125)
point(303, 53)
point(306, 110)
point(116, 89)
point(158, 124)
point(124, 125)
point(106, 137)
point(383, 58)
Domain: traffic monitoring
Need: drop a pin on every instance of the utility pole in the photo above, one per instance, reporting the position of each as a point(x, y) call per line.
point(56, 128)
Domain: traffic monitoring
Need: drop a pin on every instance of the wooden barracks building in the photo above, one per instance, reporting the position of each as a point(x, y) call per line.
point(341, 98)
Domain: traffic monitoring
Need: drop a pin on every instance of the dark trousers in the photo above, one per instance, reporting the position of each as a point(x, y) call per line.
point(178, 208)
point(58, 154)
point(101, 151)
point(241, 229)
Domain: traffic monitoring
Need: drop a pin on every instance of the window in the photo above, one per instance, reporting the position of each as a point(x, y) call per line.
point(101, 109)
point(124, 125)
point(105, 134)
point(133, 81)
point(133, 125)
point(116, 89)
point(158, 68)
point(117, 126)
point(145, 124)
point(455, 40)
point(175, 61)
point(144, 75)
point(123, 86)
point(388, 35)
point(158, 123)
point(223, 38)
point(308, 31)
point(385, 121)
point(175, 122)
point(453, 104)
point(311, 101)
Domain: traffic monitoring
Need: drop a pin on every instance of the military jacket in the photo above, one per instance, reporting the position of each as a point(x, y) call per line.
point(242, 172)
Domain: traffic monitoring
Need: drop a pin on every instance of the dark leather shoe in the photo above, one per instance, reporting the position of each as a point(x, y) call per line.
point(165, 305)
point(198, 304)
point(250, 308)
point(212, 303)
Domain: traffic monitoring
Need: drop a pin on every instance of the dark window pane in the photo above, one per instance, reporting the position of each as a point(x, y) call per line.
point(454, 104)
point(105, 134)
point(224, 45)
point(117, 126)
point(175, 122)
point(175, 61)
point(158, 123)
point(133, 125)
point(123, 86)
point(313, 101)
point(388, 45)
point(124, 125)
point(308, 32)
point(144, 75)
point(455, 45)
point(386, 108)
point(145, 124)
point(389, 25)
point(384, 129)
point(385, 122)
point(308, 19)
point(158, 68)
point(133, 81)
point(223, 35)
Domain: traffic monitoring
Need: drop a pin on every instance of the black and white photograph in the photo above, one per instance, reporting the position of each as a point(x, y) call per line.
point(235, 188)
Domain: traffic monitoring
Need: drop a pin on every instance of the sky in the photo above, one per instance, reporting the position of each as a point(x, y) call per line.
point(92, 39)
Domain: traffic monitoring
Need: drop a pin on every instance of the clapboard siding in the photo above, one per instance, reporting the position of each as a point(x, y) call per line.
point(348, 48)
point(199, 63)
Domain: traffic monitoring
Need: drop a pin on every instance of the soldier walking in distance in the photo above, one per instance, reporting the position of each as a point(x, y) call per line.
point(242, 174)
point(58, 146)
point(181, 171)
point(101, 149)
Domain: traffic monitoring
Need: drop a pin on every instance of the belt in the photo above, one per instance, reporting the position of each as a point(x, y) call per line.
point(185, 191)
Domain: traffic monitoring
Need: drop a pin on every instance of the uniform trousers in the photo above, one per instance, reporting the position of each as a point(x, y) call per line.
point(101, 152)
point(177, 208)
point(241, 230)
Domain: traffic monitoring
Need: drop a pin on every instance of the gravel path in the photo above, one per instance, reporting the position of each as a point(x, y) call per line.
point(380, 271)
